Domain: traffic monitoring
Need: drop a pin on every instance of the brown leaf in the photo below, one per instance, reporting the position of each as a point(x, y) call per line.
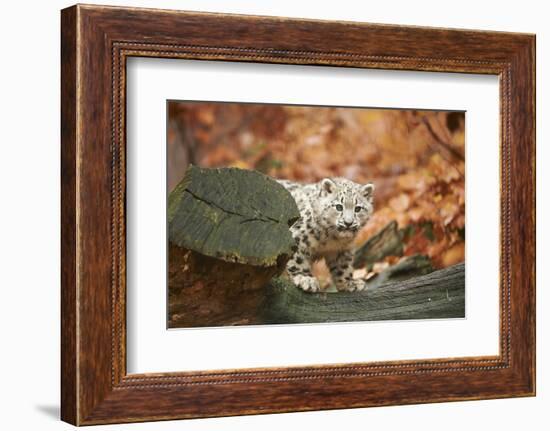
point(400, 203)
point(454, 255)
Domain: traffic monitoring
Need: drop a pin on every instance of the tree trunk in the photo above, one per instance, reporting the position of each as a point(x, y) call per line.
point(205, 291)
point(228, 236)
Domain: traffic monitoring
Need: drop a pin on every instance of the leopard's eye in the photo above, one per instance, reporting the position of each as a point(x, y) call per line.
point(357, 209)
point(339, 207)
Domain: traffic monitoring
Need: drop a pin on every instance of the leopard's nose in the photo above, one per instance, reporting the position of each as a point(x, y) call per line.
point(348, 223)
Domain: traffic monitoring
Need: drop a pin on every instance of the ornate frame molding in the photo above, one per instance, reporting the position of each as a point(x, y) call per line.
point(96, 41)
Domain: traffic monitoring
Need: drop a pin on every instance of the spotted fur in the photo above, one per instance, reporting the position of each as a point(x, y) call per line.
point(332, 212)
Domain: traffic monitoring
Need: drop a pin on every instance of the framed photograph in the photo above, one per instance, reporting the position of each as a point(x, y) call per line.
point(264, 215)
point(232, 258)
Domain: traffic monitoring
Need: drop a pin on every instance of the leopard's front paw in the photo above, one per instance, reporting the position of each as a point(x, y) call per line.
point(306, 283)
point(354, 285)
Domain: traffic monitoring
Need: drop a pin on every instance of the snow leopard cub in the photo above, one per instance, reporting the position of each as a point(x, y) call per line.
point(332, 212)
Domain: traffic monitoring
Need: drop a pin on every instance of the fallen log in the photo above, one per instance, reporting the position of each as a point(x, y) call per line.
point(387, 242)
point(437, 295)
point(409, 267)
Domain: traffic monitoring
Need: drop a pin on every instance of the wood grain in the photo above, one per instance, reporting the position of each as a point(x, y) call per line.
point(69, 371)
point(437, 295)
point(96, 42)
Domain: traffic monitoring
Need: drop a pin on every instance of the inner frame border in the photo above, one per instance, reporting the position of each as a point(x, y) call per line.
point(121, 50)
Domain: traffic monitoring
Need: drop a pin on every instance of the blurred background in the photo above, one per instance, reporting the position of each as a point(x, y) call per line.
point(414, 158)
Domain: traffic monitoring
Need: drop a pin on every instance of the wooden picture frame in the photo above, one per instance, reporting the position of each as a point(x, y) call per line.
point(96, 41)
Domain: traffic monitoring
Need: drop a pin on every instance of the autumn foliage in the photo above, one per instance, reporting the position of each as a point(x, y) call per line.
point(415, 159)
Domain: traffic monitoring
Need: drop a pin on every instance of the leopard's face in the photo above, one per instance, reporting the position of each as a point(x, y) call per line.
point(344, 206)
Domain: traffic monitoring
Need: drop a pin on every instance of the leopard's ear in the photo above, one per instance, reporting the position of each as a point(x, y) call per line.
point(368, 191)
point(327, 186)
